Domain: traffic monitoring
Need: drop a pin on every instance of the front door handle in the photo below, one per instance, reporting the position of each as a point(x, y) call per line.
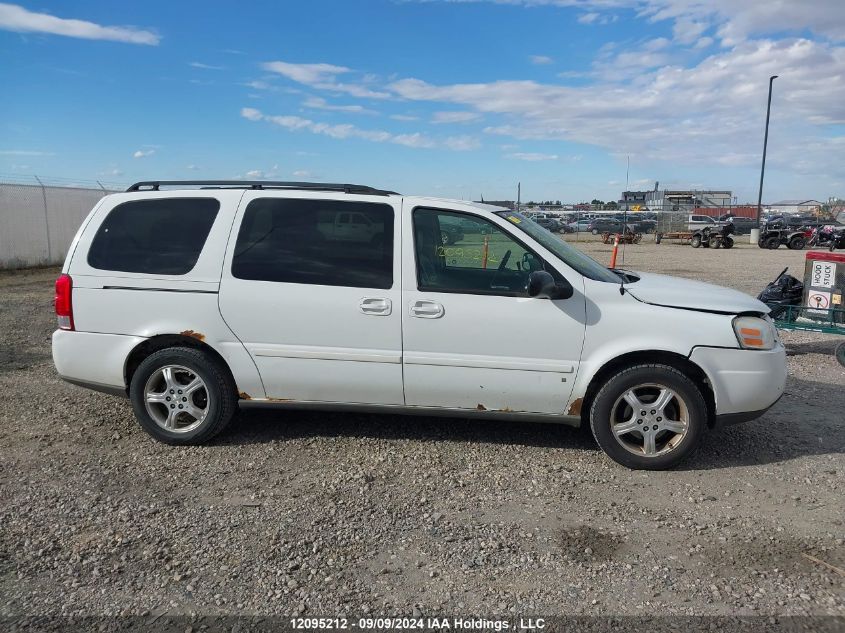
point(427, 309)
point(376, 306)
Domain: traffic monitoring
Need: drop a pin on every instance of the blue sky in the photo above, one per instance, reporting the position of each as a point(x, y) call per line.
point(457, 99)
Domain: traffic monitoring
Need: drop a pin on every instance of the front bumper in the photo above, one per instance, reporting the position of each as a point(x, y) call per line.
point(745, 382)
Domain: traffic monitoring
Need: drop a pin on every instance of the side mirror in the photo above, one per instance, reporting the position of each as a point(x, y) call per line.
point(541, 285)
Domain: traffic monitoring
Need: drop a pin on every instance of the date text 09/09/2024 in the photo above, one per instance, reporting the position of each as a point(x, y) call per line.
point(417, 623)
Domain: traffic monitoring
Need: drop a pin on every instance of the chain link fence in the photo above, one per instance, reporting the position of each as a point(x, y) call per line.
point(39, 218)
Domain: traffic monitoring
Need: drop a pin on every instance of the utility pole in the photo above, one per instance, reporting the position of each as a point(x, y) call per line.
point(518, 195)
point(763, 165)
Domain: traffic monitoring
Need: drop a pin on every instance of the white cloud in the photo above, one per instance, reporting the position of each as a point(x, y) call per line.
point(347, 130)
point(255, 173)
point(454, 117)
point(24, 152)
point(318, 103)
point(257, 85)
point(252, 114)
point(303, 173)
point(404, 117)
point(324, 77)
point(532, 156)
point(540, 60)
point(306, 73)
point(672, 113)
point(204, 66)
point(588, 18)
point(191, 167)
point(143, 153)
point(16, 18)
point(462, 143)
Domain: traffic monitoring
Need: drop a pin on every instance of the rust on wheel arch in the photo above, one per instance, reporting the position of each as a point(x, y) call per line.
point(197, 335)
point(575, 407)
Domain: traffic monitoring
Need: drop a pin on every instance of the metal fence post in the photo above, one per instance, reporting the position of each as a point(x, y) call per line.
point(46, 220)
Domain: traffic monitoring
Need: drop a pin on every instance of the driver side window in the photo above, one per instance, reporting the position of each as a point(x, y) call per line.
point(459, 252)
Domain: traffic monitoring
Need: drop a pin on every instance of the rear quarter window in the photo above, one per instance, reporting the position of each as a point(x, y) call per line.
point(161, 236)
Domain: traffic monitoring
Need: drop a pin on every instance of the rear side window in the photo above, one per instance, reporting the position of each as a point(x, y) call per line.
point(323, 242)
point(162, 236)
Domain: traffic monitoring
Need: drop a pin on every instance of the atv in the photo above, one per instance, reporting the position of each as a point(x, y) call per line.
point(772, 238)
point(716, 238)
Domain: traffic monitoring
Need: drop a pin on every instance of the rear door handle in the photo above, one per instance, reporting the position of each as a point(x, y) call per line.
point(376, 306)
point(427, 310)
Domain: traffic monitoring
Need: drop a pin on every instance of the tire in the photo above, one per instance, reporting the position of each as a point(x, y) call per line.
point(840, 354)
point(832, 245)
point(221, 402)
point(645, 381)
point(728, 242)
point(771, 243)
point(716, 242)
point(595, 231)
point(658, 238)
point(797, 243)
point(695, 242)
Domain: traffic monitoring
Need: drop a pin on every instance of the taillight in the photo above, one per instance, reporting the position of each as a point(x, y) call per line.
point(64, 305)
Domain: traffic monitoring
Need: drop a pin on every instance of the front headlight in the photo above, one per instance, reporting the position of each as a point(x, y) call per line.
point(755, 332)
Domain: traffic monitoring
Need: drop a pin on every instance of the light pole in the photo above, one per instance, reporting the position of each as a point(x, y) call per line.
point(755, 233)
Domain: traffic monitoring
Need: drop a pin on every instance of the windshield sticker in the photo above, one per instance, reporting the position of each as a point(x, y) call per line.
point(514, 219)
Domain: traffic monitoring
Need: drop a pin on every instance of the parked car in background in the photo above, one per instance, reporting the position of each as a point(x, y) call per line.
point(549, 223)
point(581, 226)
point(195, 302)
point(696, 222)
point(642, 225)
point(606, 225)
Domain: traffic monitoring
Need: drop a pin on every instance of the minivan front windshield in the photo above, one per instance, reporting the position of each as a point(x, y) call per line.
point(570, 256)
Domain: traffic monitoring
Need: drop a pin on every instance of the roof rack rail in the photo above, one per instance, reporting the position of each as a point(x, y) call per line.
point(155, 185)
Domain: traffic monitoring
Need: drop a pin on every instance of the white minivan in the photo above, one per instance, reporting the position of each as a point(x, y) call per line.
point(196, 298)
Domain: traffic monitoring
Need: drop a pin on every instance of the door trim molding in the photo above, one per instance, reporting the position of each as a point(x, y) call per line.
point(314, 352)
point(489, 362)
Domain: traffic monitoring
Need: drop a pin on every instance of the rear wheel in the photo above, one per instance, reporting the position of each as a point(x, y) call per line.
point(728, 242)
point(695, 242)
point(649, 417)
point(771, 243)
point(182, 395)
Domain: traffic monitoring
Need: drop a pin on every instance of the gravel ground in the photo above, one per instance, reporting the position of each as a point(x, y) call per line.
point(337, 514)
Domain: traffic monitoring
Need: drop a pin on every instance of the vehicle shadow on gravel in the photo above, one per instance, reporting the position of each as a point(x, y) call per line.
point(259, 426)
point(807, 421)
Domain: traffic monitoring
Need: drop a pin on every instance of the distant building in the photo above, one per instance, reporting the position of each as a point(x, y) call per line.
point(687, 201)
point(795, 206)
point(633, 201)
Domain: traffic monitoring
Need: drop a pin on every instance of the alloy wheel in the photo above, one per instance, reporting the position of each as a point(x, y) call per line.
point(176, 398)
point(649, 419)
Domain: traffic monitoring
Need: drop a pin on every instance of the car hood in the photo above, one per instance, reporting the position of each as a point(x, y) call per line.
point(674, 292)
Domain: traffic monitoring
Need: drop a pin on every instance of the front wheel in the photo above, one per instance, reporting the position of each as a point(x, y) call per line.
point(797, 243)
point(771, 243)
point(695, 242)
point(728, 242)
point(182, 396)
point(649, 417)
